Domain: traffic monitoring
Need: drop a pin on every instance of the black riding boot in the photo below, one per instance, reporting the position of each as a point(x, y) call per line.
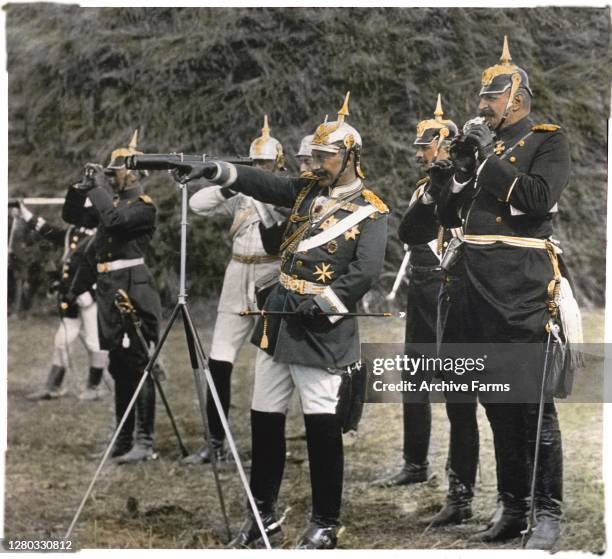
point(120, 370)
point(463, 462)
point(221, 372)
point(94, 379)
point(326, 459)
point(53, 386)
point(458, 505)
point(417, 430)
point(267, 466)
point(145, 426)
point(549, 480)
point(510, 441)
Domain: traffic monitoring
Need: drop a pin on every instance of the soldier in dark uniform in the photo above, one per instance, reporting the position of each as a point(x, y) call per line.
point(421, 230)
point(78, 315)
point(332, 252)
point(126, 226)
point(505, 190)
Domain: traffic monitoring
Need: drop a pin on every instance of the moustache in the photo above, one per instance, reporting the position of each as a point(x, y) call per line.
point(486, 112)
point(320, 173)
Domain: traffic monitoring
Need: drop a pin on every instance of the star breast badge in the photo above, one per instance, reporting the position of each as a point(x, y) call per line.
point(351, 234)
point(323, 272)
point(331, 220)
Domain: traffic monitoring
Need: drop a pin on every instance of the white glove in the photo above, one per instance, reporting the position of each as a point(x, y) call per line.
point(84, 299)
point(26, 214)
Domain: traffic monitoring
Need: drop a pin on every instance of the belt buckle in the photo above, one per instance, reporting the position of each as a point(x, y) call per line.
point(103, 267)
point(297, 285)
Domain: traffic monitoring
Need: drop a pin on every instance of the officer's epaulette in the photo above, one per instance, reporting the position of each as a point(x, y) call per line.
point(422, 181)
point(370, 197)
point(545, 127)
point(146, 198)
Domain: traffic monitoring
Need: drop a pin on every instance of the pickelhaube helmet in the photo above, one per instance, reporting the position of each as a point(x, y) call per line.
point(117, 159)
point(305, 146)
point(334, 136)
point(435, 128)
point(498, 78)
point(266, 147)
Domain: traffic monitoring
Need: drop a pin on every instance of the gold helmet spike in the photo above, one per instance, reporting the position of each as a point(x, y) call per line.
point(505, 57)
point(266, 147)
point(344, 112)
point(134, 141)
point(265, 131)
point(439, 113)
point(120, 153)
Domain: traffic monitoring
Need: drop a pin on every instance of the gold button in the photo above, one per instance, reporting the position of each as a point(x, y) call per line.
point(66, 275)
point(445, 244)
point(75, 238)
point(512, 159)
point(73, 246)
point(299, 263)
point(498, 219)
point(522, 143)
point(109, 254)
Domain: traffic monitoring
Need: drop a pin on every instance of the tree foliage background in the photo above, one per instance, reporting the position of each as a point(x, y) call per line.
point(200, 79)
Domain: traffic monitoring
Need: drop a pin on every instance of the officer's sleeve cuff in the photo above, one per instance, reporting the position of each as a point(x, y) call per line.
point(330, 303)
point(499, 178)
point(226, 174)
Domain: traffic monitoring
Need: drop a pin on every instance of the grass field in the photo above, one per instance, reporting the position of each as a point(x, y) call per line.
point(50, 445)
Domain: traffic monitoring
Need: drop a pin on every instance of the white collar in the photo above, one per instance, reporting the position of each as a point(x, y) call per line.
point(340, 191)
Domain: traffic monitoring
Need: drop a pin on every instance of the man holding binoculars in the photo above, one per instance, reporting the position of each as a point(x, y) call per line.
point(126, 224)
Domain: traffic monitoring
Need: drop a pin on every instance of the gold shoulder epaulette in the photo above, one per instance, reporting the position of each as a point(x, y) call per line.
point(146, 198)
point(422, 181)
point(545, 127)
point(370, 197)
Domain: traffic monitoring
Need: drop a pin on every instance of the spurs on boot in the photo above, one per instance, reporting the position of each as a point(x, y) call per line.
point(319, 536)
point(202, 456)
point(458, 505)
point(249, 535)
point(511, 523)
point(409, 474)
point(546, 533)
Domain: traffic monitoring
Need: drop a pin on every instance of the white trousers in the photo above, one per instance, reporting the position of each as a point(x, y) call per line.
point(275, 382)
point(231, 331)
point(85, 326)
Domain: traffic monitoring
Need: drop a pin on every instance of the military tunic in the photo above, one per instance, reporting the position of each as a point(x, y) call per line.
point(419, 229)
point(345, 266)
point(126, 226)
point(79, 318)
point(516, 195)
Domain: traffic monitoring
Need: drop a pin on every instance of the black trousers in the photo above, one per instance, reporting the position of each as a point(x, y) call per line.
point(514, 434)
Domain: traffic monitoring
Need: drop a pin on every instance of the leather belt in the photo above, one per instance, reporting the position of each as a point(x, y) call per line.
point(300, 286)
point(114, 265)
point(254, 258)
